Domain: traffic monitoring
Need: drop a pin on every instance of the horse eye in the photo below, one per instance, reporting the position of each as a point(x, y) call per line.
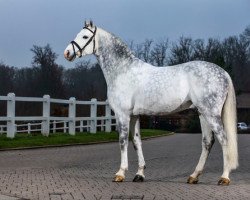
point(85, 37)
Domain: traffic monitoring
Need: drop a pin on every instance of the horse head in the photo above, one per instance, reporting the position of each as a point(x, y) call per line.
point(83, 44)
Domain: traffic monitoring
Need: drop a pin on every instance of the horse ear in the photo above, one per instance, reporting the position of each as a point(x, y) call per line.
point(91, 23)
point(87, 24)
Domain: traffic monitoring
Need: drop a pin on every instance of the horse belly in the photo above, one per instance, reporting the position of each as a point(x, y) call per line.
point(156, 109)
point(160, 103)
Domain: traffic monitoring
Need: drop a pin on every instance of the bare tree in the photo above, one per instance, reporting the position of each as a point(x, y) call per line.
point(246, 34)
point(159, 53)
point(6, 79)
point(235, 51)
point(245, 37)
point(43, 56)
point(182, 51)
point(49, 74)
point(146, 50)
point(136, 48)
point(210, 51)
point(199, 49)
point(85, 81)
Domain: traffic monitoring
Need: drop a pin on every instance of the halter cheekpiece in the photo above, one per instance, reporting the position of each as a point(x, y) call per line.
point(73, 43)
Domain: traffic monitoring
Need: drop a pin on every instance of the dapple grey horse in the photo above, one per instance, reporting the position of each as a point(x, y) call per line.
point(137, 88)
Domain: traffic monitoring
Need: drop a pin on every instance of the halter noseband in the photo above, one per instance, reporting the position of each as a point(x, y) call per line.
point(73, 43)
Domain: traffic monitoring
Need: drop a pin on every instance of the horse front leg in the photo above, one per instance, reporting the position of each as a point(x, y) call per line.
point(135, 130)
point(123, 129)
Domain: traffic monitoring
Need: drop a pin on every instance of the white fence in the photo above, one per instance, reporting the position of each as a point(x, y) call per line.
point(47, 123)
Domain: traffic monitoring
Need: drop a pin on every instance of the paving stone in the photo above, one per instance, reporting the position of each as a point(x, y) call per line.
point(5, 197)
point(86, 172)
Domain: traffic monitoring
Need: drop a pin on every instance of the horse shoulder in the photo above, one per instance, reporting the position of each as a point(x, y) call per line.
point(120, 94)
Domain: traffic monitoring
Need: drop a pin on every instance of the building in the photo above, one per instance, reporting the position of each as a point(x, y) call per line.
point(243, 107)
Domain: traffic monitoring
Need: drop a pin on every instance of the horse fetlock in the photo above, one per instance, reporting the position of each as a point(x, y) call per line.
point(224, 181)
point(192, 180)
point(119, 178)
point(121, 172)
point(139, 178)
point(140, 172)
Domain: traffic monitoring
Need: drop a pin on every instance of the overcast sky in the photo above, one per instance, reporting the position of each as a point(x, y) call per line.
point(24, 23)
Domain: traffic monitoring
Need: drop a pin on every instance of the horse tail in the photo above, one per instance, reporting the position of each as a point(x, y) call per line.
point(229, 117)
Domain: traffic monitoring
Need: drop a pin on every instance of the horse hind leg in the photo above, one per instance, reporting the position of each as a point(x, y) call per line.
point(135, 130)
point(216, 125)
point(207, 143)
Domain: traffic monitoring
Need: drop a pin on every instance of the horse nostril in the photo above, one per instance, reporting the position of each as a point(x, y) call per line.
point(66, 54)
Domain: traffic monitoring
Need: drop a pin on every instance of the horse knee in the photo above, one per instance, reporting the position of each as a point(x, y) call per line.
point(123, 140)
point(122, 128)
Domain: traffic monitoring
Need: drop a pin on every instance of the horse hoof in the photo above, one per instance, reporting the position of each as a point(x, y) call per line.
point(192, 180)
point(119, 178)
point(224, 181)
point(138, 178)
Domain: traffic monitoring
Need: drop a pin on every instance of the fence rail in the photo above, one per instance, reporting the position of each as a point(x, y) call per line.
point(47, 123)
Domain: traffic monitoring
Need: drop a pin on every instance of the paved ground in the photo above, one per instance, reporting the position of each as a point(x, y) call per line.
point(86, 172)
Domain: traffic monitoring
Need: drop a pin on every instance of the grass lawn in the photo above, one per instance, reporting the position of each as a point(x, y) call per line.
point(54, 139)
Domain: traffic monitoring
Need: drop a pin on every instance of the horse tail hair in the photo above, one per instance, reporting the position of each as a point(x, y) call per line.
point(229, 117)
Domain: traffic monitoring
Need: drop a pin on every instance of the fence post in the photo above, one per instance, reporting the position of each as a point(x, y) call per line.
point(54, 126)
point(29, 128)
point(64, 127)
point(46, 114)
point(81, 126)
point(102, 125)
point(72, 116)
point(93, 112)
point(11, 129)
point(108, 117)
point(88, 126)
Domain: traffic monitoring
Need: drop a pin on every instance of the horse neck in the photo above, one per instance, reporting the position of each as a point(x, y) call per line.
point(113, 55)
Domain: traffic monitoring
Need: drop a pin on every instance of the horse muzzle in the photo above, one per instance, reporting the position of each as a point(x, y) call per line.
point(69, 56)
